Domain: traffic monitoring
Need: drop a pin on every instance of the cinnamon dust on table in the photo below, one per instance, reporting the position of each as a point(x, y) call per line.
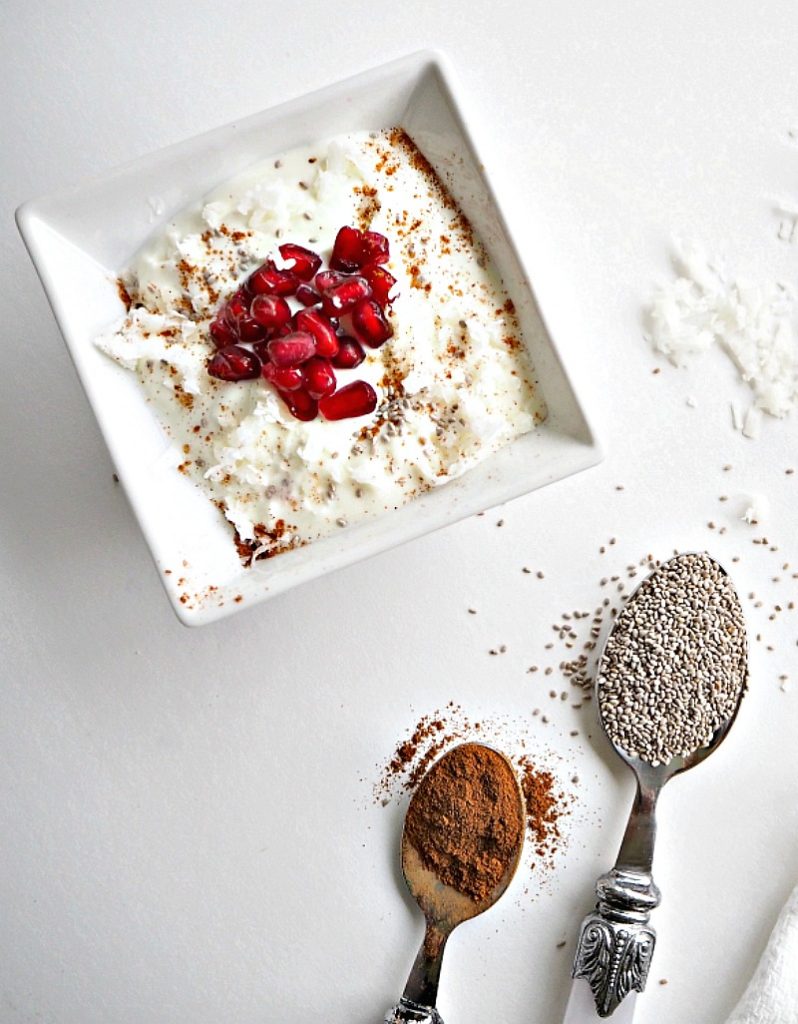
point(545, 804)
point(413, 756)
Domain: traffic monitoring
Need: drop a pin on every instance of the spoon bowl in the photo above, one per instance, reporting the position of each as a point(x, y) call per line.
point(655, 776)
point(658, 775)
point(445, 906)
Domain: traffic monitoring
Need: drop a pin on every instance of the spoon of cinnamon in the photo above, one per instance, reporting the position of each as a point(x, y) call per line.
point(461, 843)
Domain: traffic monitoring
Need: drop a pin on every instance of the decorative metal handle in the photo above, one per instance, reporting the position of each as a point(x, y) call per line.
point(408, 1012)
point(616, 942)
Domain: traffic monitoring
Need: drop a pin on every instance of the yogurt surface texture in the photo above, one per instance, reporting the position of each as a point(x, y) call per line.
point(454, 383)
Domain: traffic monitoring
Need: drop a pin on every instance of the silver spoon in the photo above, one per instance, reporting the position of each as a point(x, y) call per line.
point(444, 907)
point(616, 942)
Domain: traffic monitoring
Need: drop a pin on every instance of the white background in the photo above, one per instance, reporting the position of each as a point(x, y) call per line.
point(188, 829)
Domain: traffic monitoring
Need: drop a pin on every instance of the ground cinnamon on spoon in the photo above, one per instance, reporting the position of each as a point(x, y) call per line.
point(549, 801)
point(465, 820)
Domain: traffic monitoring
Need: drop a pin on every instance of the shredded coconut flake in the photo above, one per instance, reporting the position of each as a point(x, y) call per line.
point(753, 324)
point(757, 509)
point(752, 424)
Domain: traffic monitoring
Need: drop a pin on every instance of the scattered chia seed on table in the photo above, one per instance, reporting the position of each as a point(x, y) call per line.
point(676, 663)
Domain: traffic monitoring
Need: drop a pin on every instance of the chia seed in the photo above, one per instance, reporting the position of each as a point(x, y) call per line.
point(674, 667)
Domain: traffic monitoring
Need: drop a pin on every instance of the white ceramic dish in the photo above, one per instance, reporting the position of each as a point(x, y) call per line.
point(80, 238)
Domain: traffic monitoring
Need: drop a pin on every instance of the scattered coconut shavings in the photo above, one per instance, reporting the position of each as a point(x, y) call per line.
point(757, 508)
point(752, 424)
point(753, 324)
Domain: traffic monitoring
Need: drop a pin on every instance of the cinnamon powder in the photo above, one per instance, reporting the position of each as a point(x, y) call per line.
point(466, 821)
point(543, 806)
point(548, 802)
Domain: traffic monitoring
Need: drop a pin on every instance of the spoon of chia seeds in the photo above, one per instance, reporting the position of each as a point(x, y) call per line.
point(669, 685)
point(461, 843)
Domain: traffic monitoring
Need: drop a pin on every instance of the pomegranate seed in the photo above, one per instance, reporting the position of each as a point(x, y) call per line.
point(261, 350)
point(300, 405)
point(328, 279)
point(270, 311)
point(299, 353)
point(292, 349)
point(222, 333)
point(357, 399)
point(374, 248)
point(237, 317)
point(319, 377)
point(345, 296)
point(370, 323)
point(234, 363)
point(347, 251)
point(268, 280)
point(380, 282)
point(307, 296)
point(250, 330)
point(306, 262)
point(284, 378)
point(350, 354)
point(235, 307)
point(312, 322)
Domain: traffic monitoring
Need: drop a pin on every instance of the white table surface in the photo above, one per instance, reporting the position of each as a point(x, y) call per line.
point(188, 831)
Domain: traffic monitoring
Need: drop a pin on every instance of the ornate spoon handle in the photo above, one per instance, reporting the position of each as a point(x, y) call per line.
point(616, 942)
point(581, 1007)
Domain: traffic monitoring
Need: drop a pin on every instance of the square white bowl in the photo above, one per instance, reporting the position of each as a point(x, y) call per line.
point(80, 239)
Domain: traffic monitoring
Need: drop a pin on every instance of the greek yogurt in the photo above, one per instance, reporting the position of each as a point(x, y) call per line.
point(454, 383)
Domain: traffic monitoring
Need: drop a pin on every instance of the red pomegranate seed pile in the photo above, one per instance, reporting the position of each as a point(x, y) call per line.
point(257, 334)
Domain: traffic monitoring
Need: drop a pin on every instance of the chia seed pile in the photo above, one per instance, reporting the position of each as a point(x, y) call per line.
point(675, 665)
